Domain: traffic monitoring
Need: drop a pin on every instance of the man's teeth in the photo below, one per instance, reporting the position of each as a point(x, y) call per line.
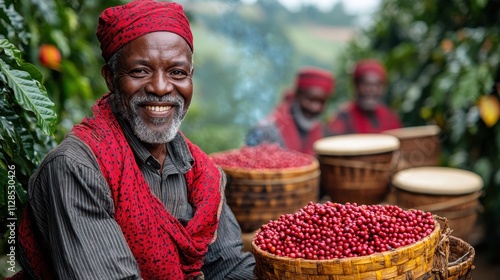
point(158, 108)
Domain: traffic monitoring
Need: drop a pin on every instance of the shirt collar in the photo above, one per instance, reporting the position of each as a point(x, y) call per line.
point(178, 151)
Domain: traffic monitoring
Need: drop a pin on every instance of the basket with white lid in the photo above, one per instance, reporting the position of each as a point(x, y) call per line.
point(357, 167)
point(448, 192)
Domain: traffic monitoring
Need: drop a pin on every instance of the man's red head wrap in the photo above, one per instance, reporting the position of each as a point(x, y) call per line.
point(369, 66)
point(122, 24)
point(308, 77)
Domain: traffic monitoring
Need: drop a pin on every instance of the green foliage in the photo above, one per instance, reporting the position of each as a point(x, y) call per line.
point(12, 24)
point(26, 125)
point(32, 97)
point(442, 57)
point(70, 26)
point(28, 91)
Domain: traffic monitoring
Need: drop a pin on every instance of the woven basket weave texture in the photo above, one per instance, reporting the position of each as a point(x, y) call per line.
point(258, 196)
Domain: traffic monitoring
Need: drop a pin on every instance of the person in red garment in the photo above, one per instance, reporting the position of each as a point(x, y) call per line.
point(366, 113)
point(295, 122)
point(126, 195)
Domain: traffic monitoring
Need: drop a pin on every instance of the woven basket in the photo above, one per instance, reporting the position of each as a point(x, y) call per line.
point(257, 196)
point(361, 179)
point(461, 210)
point(460, 260)
point(446, 192)
point(415, 261)
point(420, 145)
point(357, 168)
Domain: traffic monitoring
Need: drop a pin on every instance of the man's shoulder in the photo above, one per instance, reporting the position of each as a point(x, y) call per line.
point(70, 158)
point(264, 127)
point(71, 151)
point(266, 123)
point(279, 114)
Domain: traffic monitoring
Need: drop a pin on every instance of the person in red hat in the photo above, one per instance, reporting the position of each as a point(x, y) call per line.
point(295, 123)
point(126, 195)
point(367, 113)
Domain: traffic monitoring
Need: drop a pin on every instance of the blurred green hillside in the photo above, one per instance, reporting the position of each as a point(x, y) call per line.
point(246, 56)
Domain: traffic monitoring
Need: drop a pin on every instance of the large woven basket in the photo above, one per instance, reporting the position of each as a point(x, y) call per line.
point(420, 145)
point(257, 196)
point(357, 168)
point(443, 191)
point(415, 261)
point(460, 260)
point(461, 210)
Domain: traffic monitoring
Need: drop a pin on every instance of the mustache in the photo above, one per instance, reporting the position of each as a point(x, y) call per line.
point(144, 99)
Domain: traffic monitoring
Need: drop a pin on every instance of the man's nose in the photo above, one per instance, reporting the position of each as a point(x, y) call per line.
point(160, 85)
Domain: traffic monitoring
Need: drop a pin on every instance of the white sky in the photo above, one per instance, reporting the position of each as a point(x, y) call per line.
point(351, 6)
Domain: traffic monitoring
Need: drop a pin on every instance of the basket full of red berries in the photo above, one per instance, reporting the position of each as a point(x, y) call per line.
point(266, 181)
point(348, 241)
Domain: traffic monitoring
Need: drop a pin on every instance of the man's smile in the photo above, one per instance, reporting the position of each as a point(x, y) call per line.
point(157, 111)
point(158, 108)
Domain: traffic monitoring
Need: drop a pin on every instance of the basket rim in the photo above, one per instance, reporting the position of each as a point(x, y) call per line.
point(383, 255)
point(312, 166)
point(430, 180)
point(469, 259)
point(412, 132)
point(356, 144)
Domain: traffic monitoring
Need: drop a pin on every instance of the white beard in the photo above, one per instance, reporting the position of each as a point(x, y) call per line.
point(303, 123)
point(143, 132)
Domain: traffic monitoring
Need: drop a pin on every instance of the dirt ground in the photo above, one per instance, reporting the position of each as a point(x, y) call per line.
point(483, 269)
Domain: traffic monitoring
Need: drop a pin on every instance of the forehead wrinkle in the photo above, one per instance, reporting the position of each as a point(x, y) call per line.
point(151, 59)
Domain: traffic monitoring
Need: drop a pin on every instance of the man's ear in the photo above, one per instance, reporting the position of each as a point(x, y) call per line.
point(108, 76)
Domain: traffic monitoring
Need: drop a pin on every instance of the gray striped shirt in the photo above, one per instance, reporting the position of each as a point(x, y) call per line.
point(74, 213)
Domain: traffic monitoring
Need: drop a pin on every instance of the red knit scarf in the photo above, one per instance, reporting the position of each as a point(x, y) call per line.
point(162, 246)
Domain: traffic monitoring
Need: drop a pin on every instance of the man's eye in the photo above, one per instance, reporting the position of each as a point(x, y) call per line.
point(138, 71)
point(178, 74)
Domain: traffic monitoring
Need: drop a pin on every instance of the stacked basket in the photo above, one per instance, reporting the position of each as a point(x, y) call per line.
point(420, 145)
point(461, 259)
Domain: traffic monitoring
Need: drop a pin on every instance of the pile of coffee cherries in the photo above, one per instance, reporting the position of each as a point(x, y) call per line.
point(332, 230)
point(263, 156)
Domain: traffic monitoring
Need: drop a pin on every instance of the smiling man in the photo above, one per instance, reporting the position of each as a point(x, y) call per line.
point(367, 113)
point(126, 195)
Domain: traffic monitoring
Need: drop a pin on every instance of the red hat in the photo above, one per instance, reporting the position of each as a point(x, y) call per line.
point(122, 24)
point(308, 77)
point(369, 65)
